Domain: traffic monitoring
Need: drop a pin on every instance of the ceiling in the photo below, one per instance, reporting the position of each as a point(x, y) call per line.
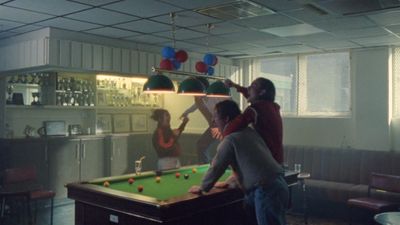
point(240, 28)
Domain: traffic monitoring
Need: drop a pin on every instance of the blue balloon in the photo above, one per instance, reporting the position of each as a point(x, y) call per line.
point(210, 71)
point(177, 64)
point(209, 59)
point(168, 52)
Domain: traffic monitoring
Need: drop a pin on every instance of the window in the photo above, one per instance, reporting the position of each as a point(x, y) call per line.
point(283, 72)
point(309, 85)
point(396, 82)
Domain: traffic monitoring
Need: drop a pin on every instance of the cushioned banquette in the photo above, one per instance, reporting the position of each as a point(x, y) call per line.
point(339, 174)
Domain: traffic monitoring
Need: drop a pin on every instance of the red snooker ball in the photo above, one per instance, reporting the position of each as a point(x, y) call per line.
point(140, 188)
point(131, 180)
point(177, 175)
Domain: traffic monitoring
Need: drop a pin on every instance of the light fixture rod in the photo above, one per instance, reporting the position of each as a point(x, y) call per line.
point(154, 69)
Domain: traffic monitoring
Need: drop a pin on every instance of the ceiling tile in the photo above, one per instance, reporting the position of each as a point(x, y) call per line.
point(271, 42)
point(280, 5)
point(212, 40)
point(6, 25)
point(261, 22)
point(313, 38)
point(181, 34)
point(364, 32)
point(111, 32)
point(143, 8)
point(307, 15)
point(293, 30)
point(394, 28)
point(20, 15)
point(95, 2)
point(52, 7)
point(7, 34)
point(249, 36)
point(187, 19)
point(196, 4)
point(386, 18)
point(148, 39)
point(145, 26)
point(220, 28)
point(235, 46)
point(26, 28)
point(68, 24)
point(102, 16)
point(345, 23)
point(377, 40)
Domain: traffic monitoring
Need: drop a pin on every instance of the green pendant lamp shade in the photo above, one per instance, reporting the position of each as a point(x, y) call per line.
point(191, 86)
point(218, 89)
point(158, 84)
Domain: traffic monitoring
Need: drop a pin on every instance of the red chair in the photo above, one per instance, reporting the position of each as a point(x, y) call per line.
point(372, 203)
point(20, 184)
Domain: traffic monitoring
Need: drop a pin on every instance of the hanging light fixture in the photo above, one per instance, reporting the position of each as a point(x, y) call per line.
point(218, 89)
point(191, 86)
point(158, 84)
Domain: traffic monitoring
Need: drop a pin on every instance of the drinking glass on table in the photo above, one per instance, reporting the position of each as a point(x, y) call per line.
point(297, 167)
point(138, 167)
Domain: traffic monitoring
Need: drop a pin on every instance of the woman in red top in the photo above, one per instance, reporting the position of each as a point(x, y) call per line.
point(165, 140)
point(263, 113)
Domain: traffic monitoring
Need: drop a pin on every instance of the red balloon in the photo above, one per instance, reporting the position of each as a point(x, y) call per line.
point(215, 61)
point(181, 56)
point(166, 64)
point(201, 67)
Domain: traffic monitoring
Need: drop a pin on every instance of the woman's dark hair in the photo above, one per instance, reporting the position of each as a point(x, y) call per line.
point(269, 88)
point(227, 108)
point(158, 114)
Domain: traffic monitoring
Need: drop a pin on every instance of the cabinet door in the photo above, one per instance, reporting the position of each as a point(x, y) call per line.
point(64, 161)
point(141, 146)
point(119, 159)
point(92, 158)
point(20, 153)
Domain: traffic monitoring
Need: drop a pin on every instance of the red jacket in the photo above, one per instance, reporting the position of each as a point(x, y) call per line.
point(266, 120)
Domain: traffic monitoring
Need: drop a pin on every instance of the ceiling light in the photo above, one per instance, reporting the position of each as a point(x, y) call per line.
point(191, 86)
point(158, 84)
point(236, 10)
point(294, 30)
point(218, 89)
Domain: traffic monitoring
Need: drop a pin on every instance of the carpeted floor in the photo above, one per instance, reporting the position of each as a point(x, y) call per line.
point(298, 220)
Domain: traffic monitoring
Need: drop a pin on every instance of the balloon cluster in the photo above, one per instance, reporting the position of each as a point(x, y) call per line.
point(206, 66)
point(172, 60)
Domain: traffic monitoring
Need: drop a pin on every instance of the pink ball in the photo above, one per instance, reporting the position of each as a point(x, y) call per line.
point(201, 67)
point(166, 64)
point(181, 56)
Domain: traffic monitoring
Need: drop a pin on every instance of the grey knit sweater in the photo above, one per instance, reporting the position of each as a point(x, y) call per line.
point(247, 154)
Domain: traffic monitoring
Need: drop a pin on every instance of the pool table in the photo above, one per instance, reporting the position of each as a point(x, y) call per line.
point(163, 202)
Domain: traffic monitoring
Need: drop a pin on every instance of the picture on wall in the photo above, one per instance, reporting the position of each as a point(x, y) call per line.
point(139, 122)
point(103, 124)
point(121, 123)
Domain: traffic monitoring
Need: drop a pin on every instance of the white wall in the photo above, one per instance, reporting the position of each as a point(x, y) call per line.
point(368, 126)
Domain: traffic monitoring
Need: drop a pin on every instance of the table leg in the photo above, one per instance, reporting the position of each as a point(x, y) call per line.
point(305, 206)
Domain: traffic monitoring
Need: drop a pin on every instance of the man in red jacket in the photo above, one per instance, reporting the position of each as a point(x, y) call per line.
point(263, 113)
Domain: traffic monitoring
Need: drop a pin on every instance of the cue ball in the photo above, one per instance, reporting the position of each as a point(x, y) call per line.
point(186, 176)
point(140, 188)
point(106, 184)
point(177, 175)
point(131, 180)
point(158, 179)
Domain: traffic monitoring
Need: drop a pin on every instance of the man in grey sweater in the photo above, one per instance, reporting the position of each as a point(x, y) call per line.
point(258, 174)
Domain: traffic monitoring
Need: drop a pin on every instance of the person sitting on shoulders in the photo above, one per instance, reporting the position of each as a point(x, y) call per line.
point(260, 177)
point(165, 140)
point(263, 113)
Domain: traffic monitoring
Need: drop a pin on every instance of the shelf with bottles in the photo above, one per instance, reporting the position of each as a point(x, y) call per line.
point(124, 92)
point(28, 88)
point(73, 89)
